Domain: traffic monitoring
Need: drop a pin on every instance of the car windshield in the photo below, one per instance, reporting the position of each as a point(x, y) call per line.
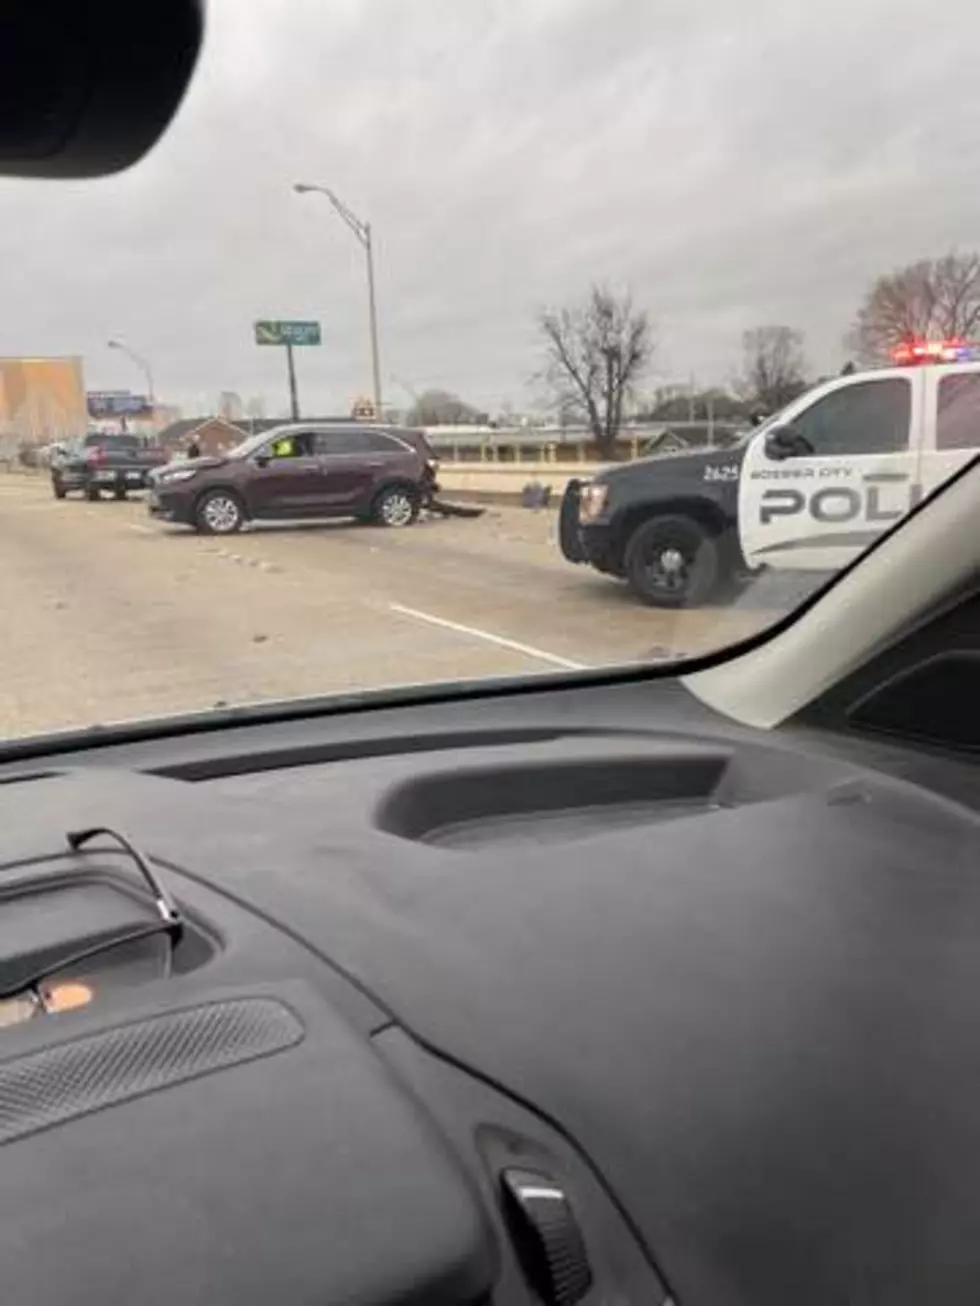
point(578, 335)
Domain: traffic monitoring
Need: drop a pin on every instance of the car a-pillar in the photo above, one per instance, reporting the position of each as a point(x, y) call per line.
point(679, 556)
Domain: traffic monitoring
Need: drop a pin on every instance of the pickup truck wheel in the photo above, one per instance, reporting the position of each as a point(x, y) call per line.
point(219, 512)
point(398, 505)
point(119, 494)
point(672, 562)
point(93, 493)
point(59, 489)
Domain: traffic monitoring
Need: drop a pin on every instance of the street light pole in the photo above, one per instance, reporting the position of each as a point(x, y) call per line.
point(362, 232)
point(373, 316)
point(141, 363)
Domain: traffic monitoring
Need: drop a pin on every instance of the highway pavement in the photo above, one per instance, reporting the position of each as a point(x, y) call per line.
point(109, 616)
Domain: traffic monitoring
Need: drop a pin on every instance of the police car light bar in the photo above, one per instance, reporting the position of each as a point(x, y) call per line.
point(913, 353)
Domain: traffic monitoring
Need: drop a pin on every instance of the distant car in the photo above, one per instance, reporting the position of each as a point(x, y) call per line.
point(382, 474)
point(115, 463)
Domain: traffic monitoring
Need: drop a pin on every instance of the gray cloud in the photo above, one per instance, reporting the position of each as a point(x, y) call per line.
point(731, 164)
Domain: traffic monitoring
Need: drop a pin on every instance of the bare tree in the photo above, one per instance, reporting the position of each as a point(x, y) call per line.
point(679, 403)
point(935, 299)
point(774, 368)
point(594, 354)
point(442, 408)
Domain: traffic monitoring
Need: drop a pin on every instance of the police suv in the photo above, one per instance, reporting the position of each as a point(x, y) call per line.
point(808, 490)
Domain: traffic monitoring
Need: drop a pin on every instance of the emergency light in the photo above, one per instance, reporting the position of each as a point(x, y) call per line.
point(919, 352)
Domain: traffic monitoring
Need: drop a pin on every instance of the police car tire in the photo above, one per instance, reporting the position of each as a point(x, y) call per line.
point(702, 555)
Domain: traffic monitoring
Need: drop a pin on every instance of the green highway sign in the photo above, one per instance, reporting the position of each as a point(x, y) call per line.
point(287, 333)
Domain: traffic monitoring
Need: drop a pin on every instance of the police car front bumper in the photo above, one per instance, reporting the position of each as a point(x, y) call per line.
point(592, 543)
point(569, 528)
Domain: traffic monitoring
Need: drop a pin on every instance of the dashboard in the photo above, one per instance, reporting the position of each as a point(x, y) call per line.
point(578, 993)
point(559, 996)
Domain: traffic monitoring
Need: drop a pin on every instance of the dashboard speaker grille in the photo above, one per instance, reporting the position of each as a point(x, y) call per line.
point(100, 1070)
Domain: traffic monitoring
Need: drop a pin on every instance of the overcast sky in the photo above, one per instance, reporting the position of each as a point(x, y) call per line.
point(732, 164)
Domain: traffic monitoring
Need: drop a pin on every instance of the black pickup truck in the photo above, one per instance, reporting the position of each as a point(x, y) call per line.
point(115, 463)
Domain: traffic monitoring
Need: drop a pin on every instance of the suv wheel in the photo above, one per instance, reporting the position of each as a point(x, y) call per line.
point(672, 562)
point(58, 488)
point(398, 505)
point(93, 493)
point(219, 512)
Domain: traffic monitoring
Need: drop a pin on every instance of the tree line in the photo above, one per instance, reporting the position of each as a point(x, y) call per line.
point(597, 352)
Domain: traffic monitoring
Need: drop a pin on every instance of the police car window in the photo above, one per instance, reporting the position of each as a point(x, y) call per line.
point(867, 417)
point(958, 419)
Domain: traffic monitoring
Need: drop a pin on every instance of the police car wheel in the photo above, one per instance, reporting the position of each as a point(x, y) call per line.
point(672, 562)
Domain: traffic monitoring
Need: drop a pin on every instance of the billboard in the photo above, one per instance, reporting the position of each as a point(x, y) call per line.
point(364, 410)
point(117, 403)
point(41, 400)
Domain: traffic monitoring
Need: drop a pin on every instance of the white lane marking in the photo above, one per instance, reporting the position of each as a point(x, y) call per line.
point(527, 649)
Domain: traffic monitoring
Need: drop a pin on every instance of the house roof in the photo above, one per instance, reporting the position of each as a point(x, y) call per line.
point(177, 432)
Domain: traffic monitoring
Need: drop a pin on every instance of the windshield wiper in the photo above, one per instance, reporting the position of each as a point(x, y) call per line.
point(170, 922)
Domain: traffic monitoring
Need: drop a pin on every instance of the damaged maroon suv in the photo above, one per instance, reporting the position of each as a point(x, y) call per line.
point(383, 474)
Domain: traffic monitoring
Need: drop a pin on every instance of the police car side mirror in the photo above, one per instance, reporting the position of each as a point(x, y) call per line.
point(785, 442)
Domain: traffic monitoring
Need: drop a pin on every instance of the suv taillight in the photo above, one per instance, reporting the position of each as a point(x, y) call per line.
point(95, 455)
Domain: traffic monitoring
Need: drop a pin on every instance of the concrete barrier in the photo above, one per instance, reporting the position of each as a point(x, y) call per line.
point(488, 481)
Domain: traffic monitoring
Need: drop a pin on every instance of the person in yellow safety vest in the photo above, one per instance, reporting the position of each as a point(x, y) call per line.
point(283, 448)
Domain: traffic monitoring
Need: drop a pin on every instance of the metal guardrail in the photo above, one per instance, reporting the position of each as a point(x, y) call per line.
point(574, 445)
point(509, 444)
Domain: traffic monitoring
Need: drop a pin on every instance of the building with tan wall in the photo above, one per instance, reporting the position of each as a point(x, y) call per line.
point(41, 400)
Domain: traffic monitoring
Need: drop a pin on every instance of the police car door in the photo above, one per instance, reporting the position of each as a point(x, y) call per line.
point(840, 468)
point(951, 435)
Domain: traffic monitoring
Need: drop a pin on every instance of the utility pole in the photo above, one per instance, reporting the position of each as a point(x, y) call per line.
point(293, 396)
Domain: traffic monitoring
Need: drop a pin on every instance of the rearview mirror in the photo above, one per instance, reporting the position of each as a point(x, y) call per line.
point(87, 89)
point(787, 442)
